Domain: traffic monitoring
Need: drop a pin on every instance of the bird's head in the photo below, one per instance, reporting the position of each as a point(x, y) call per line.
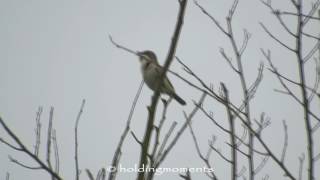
point(147, 57)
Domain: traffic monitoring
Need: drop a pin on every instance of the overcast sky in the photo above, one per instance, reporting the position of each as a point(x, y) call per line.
point(56, 53)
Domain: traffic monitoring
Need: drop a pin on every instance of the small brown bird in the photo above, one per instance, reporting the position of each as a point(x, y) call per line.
point(151, 71)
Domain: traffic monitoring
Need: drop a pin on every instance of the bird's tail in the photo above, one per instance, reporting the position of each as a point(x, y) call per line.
point(178, 99)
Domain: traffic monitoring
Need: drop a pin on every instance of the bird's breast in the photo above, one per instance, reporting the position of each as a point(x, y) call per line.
point(150, 75)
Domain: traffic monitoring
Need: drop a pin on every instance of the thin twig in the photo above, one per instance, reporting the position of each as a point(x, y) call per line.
point(23, 165)
point(76, 139)
point(38, 131)
point(90, 175)
point(49, 135)
point(27, 151)
point(208, 89)
point(288, 91)
point(276, 39)
point(311, 52)
point(316, 158)
point(277, 14)
point(135, 138)
point(246, 98)
point(285, 144)
point(187, 176)
point(232, 135)
point(218, 151)
point(294, 14)
point(156, 95)
point(156, 156)
point(304, 94)
point(211, 17)
point(101, 174)
point(316, 82)
point(261, 164)
point(164, 143)
point(10, 145)
point(158, 130)
point(202, 157)
point(122, 47)
point(56, 151)
point(311, 13)
point(301, 162)
point(117, 154)
point(181, 130)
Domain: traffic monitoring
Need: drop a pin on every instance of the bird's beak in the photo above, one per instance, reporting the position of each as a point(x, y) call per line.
point(138, 53)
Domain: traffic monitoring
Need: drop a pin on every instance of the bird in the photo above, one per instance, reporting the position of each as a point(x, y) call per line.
point(151, 71)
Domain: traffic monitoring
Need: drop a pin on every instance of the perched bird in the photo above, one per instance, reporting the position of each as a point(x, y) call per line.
point(151, 71)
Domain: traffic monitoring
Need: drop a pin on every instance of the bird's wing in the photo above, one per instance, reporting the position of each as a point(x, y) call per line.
point(168, 85)
point(166, 82)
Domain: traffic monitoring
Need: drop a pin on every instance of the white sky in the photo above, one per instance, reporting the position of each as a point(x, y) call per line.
point(56, 53)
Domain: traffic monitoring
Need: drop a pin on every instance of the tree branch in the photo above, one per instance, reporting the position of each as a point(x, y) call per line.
point(156, 95)
point(27, 151)
point(76, 140)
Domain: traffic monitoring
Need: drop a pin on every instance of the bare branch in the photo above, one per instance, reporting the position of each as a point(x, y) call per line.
point(164, 143)
point(49, 135)
point(266, 147)
point(156, 95)
point(232, 135)
point(117, 154)
point(56, 151)
point(239, 150)
point(242, 171)
point(76, 139)
point(122, 47)
point(233, 9)
point(209, 90)
point(246, 98)
point(181, 130)
point(268, 57)
point(277, 73)
point(10, 145)
point(311, 52)
point(187, 176)
point(23, 165)
point(261, 164)
point(317, 157)
point(211, 17)
point(301, 162)
point(210, 116)
point(295, 14)
point(266, 177)
point(316, 82)
point(285, 144)
point(135, 138)
point(277, 14)
point(218, 151)
point(202, 157)
point(304, 93)
point(228, 59)
point(311, 36)
point(311, 13)
point(254, 86)
point(246, 38)
point(158, 130)
point(90, 176)
point(101, 174)
point(242, 137)
point(276, 39)
point(27, 151)
point(38, 131)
